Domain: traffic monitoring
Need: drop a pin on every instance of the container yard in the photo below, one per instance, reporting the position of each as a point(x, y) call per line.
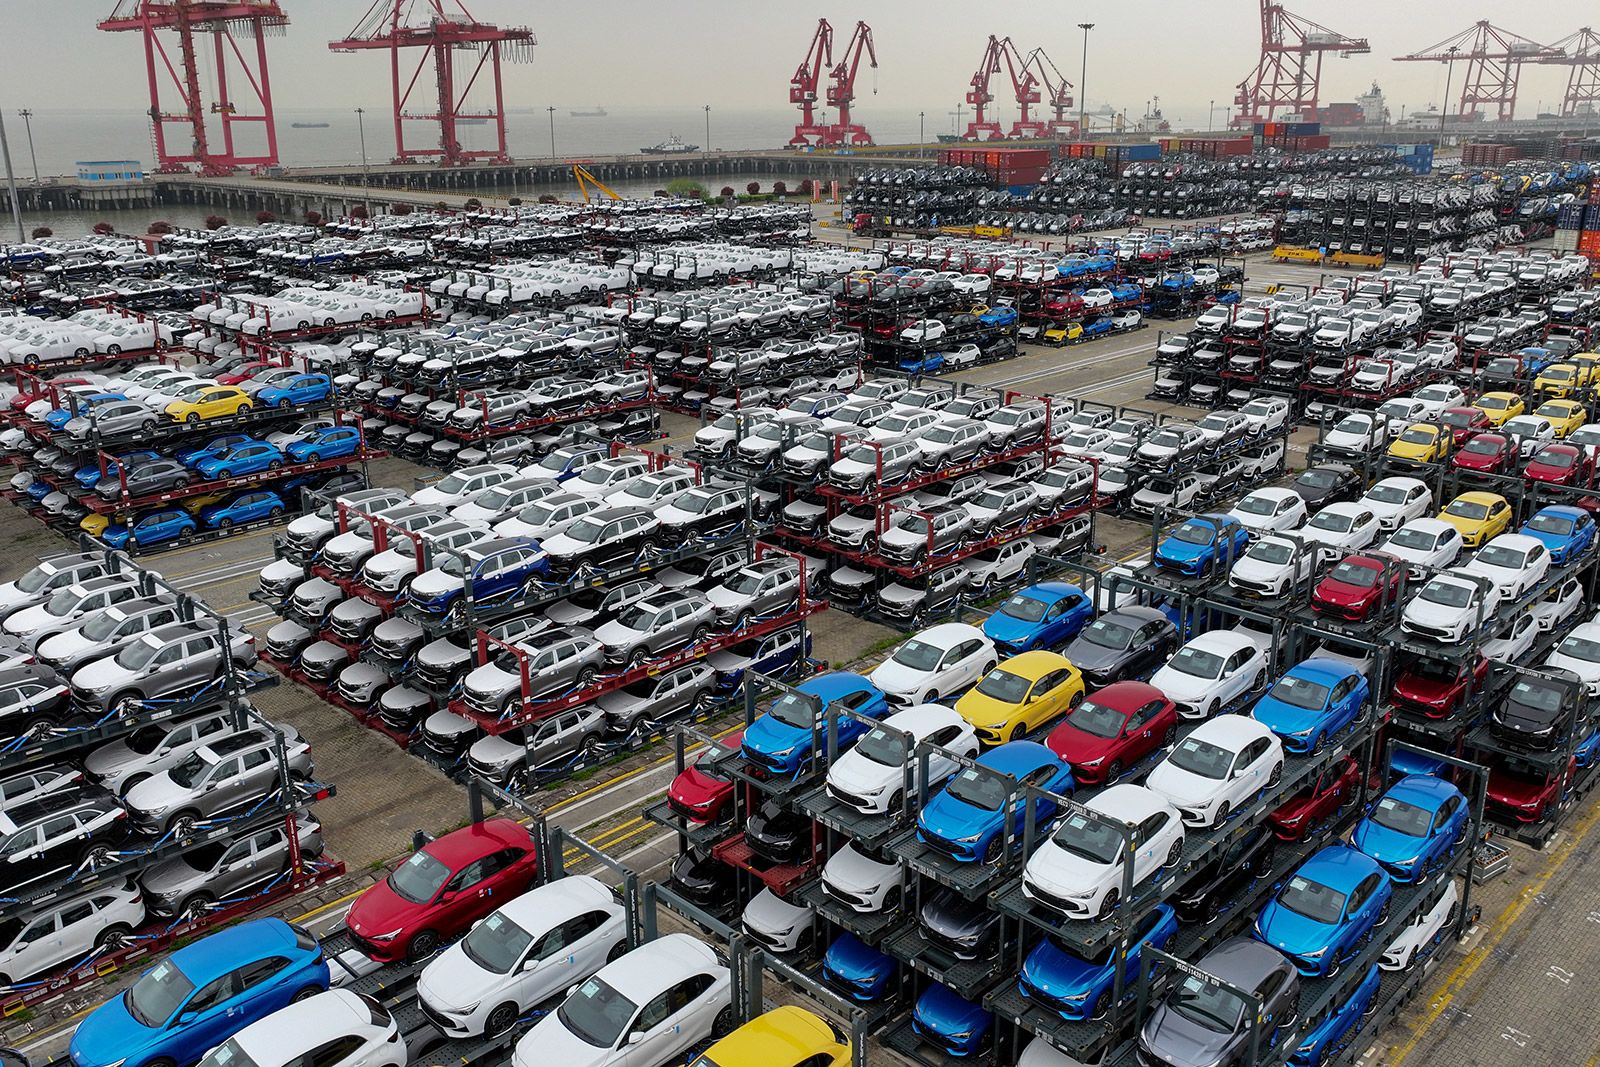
point(1041, 596)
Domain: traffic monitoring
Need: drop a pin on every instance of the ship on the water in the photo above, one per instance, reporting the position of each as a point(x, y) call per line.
point(598, 113)
point(670, 147)
point(308, 125)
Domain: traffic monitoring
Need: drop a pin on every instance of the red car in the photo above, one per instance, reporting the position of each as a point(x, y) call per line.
point(1113, 729)
point(1356, 589)
point(1435, 688)
point(1464, 422)
point(1317, 800)
point(1560, 464)
point(31, 393)
point(245, 371)
point(1068, 306)
point(1525, 796)
point(700, 795)
point(1487, 453)
point(442, 889)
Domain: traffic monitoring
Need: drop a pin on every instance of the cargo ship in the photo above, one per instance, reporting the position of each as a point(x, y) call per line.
point(597, 113)
point(308, 125)
point(672, 146)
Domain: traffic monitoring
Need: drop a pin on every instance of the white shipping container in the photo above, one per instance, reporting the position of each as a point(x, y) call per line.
point(1566, 241)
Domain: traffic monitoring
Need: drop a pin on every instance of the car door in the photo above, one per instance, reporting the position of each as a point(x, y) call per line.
point(344, 1051)
point(212, 1014)
point(1235, 679)
point(38, 947)
point(1249, 772)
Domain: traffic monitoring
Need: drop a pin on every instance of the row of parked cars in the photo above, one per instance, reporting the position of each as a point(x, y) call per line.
point(31, 341)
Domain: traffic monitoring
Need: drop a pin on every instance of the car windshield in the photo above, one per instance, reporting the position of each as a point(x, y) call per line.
point(1004, 686)
point(693, 503)
point(883, 747)
point(1277, 553)
point(1201, 758)
point(1196, 662)
point(1448, 594)
point(795, 709)
point(1418, 435)
point(1332, 521)
point(137, 655)
point(1401, 817)
point(1386, 494)
point(63, 601)
point(1495, 554)
point(1208, 1005)
point(101, 624)
point(227, 1054)
point(640, 616)
point(1580, 648)
point(1468, 509)
point(35, 579)
point(1300, 693)
point(1354, 424)
point(155, 996)
point(1557, 457)
point(1544, 522)
point(1194, 533)
point(1097, 719)
point(1024, 607)
point(555, 461)
point(1415, 539)
point(1257, 505)
point(537, 514)
point(1357, 574)
point(1490, 402)
point(1317, 479)
point(1314, 900)
point(585, 530)
point(1108, 634)
point(984, 791)
point(496, 944)
point(1091, 839)
point(918, 655)
point(596, 1013)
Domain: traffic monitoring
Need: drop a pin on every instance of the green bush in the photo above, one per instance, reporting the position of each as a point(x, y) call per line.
point(686, 187)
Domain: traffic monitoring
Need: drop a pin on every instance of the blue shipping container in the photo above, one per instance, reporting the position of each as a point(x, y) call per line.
point(1591, 217)
point(1569, 217)
point(1138, 153)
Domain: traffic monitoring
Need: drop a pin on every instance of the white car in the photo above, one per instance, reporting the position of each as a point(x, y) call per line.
point(336, 1027)
point(1425, 544)
point(1271, 566)
point(870, 776)
point(1531, 432)
point(525, 952)
point(1210, 672)
point(1266, 414)
point(1513, 639)
point(776, 924)
point(1423, 934)
point(1450, 606)
point(1270, 510)
point(648, 1007)
point(1439, 396)
point(1085, 443)
point(940, 661)
point(1587, 437)
point(1222, 427)
point(463, 485)
point(1356, 432)
point(863, 880)
point(1396, 501)
point(548, 516)
point(1342, 528)
point(998, 564)
point(1557, 605)
point(1079, 869)
point(1579, 652)
point(608, 477)
point(1401, 412)
point(66, 931)
point(1218, 769)
point(1515, 563)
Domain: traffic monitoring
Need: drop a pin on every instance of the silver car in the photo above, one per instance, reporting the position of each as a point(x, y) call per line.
point(160, 663)
point(47, 576)
point(118, 418)
point(224, 776)
point(106, 632)
point(67, 607)
point(764, 588)
point(129, 760)
point(658, 696)
point(550, 744)
point(650, 627)
point(190, 884)
point(557, 662)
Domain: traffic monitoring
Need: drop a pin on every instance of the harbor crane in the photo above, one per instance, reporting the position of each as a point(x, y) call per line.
point(1057, 94)
point(1288, 77)
point(1024, 87)
point(803, 86)
point(440, 29)
point(841, 90)
point(982, 127)
point(227, 23)
point(1494, 59)
point(1581, 51)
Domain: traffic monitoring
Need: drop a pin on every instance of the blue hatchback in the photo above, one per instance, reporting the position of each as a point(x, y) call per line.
point(1202, 543)
point(88, 476)
point(1326, 910)
point(248, 506)
point(1045, 615)
point(966, 821)
point(213, 447)
point(1568, 532)
point(951, 1023)
point(1077, 988)
point(59, 417)
point(1312, 702)
point(1334, 1033)
point(202, 995)
point(780, 742)
point(301, 389)
point(252, 458)
point(856, 969)
point(929, 363)
point(151, 528)
point(328, 443)
point(1413, 827)
point(999, 315)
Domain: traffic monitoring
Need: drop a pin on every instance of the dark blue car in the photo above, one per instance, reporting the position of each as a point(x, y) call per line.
point(329, 443)
point(568, 462)
point(498, 570)
point(966, 820)
point(1201, 544)
point(774, 655)
point(780, 741)
point(856, 969)
point(301, 389)
point(951, 1023)
point(202, 995)
point(1335, 1032)
point(1313, 701)
point(1044, 615)
point(1568, 532)
point(250, 506)
point(1323, 913)
point(1414, 827)
point(151, 528)
point(88, 476)
point(1078, 988)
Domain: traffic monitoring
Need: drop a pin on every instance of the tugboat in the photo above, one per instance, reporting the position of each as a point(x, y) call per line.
point(672, 146)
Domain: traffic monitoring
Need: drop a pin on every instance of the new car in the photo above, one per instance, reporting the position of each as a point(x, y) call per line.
point(1114, 729)
point(1451, 606)
point(1211, 672)
point(1270, 509)
point(1018, 697)
point(1425, 545)
point(190, 885)
point(941, 660)
point(217, 778)
point(1078, 987)
point(68, 930)
point(209, 402)
point(1215, 887)
point(1202, 1022)
point(856, 969)
point(1334, 1029)
point(1567, 532)
point(780, 741)
point(1515, 563)
point(330, 443)
point(1218, 768)
point(1044, 615)
point(1425, 932)
point(1080, 870)
point(1397, 500)
point(967, 820)
point(871, 776)
point(1326, 910)
point(249, 506)
point(1478, 516)
point(1359, 587)
point(951, 1023)
point(1413, 827)
point(1122, 644)
point(1203, 544)
point(1313, 701)
point(337, 1027)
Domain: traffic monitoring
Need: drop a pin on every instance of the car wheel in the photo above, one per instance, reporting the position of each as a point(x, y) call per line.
point(114, 936)
point(1259, 682)
point(314, 457)
point(1212, 709)
point(1108, 903)
point(1174, 854)
point(700, 635)
point(224, 473)
point(724, 1023)
point(1114, 771)
point(423, 945)
point(193, 418)
point(1276, 776)
point(742, 621)
point(1018, 731)
point(500, 1020)
point(274, 464)
point(275, 513)
point(639, 658)
point(1222, 814)
point(195, 905)
point(1383, 915)
point(305, 994)
point(183, 823)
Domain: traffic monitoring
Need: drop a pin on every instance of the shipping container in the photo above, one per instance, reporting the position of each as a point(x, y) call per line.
point(1591, 218)
point(1589, 242)
point(1566, 241)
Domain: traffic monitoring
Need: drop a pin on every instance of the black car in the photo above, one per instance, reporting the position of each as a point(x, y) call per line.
point(33, 698)
point(1220, 879)
point(600, 540)
point(703, 881)
point(60, 833)
point(149, 476)
point(1540, 711)
point(967, 929)
point(1122, 644)
point(402, 708)
point(778, 836)
point(1327, 483)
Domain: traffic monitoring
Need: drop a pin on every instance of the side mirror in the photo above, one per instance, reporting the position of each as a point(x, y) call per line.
point(636, 1037)
point(185, 1018)
point(529, 965)
point(571, 990)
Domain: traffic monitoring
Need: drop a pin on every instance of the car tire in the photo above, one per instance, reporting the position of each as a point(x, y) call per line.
point(423, 944)
point(1108, 903)
point(112, 937)
point(224, 524)
point(1221, 817)
point(501, 1019)
point(188, 817)
point(123, 702)
point(224, 474)
point(619, 950)
point(1113, 772)
point(313, 457)
point(195, 905)
point(1276, 776)
point(724, 1023)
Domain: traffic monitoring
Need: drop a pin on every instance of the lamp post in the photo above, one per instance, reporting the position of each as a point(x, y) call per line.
point(1449, 69)
point(922, 137)
point(361, 127)
point(28, 125)
point(1211, 116)
point(552, 110)
point(1083, 78)
point(708, 127)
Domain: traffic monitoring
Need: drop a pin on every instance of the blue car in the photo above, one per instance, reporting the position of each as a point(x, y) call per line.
point(151, 528)
point(951, 1023)
point(999, 315)
point(774, 655)
point(246, 507)
point(1568, 532)
point(1096, 327)
point(59, 417)
point(932, 363)
point(965, 820)
point(38, 489)
point(568, 462)
point(1413, 827)
point(329, 443)
point(1124, 291)
point(1588, 748)
point(780, 741)
point(1178, 283)
point(213, 447)
point(498, 570)
point(1044, 615)
point(1312, 702)
point(301, 389)
point(202, 995)
point(1334, 1033)
point(1076, 988)
point(1326, 910)
point(1535, 359)
point(856, 969)
point(1202, 543)
point(252, 458)
point(1404, 761)
point(88, 476)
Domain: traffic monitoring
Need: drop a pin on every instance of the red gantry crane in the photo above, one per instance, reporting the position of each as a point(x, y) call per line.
point(1288, 77)
point(1058, 94)
point(226, 23)
point(1582, 54)
point(440, 29)
point(1494, 59)
point(803, 86)
point(1024, 87)
point(982, 127)
point(842, 88)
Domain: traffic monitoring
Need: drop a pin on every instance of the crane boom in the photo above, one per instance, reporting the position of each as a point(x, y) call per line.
point(803, 86)
point(982, 127)
point(1288, 76)
point(1494, 59)
point(1058, 93)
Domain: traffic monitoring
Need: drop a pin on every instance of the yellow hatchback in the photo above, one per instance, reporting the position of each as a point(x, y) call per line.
point(1478, 516)
point(1563, 379)
point(1062, 332)
point(1021, 695)
point(1564, 415)
point(210, 402)
point(1500, 406)
point(783, 1037)
point(1422, 442)
point(94, 525)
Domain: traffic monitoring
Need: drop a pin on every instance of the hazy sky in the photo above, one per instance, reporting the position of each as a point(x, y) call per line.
point(740, 55)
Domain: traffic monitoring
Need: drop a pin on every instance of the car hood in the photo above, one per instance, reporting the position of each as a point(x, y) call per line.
point(1284, 718)
point(1079, 746)
point(849, 869)
point(99, 673)
point(453, 981)
point(156, 793)
point(1087, 656)
point(108, 757)
point(64, 645)
point(551, 1042)
point(1289, 932)
point(1179, 686)
point(892, 677)
point(615, 633)
point(899, 594)
point(171, 878)
point(109, 1035)
point(722, 597)
point(380, 910)
point(1384, 844)
point(393, 561)
point(769, 735)
point(433, 583)
point(1422, 690)
point(1179, 785)
point(771, 914)
point(953, 819)
point(1011, 630)
point(1057, 973)
point(1180, 1041)
point(1055, 868)
point(855, 774)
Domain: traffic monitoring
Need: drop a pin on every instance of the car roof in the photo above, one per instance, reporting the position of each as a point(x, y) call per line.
point(1566, 511)
point(311, 1022)
point(1242, 961)
point(657, 965)
point(1016, 758)
point(1425, 787)
point(1035, 663)
point(1322, 669)
point(1478, 496)
point(947, 634)
point(217, 954)
point(1129, 803)
point(834, 684)
point(786, 1034)
point(1231, 731)
point(922, 719)
point(557, 901)
point(1049, 592)
point(1339, 867)
point(476, 840)
point(1222, 641)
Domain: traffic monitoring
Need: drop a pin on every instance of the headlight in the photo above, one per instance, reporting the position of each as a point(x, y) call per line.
point(1317, 955)
point(1093, 763)
point(970, 837)
point(1307, 732)
point(390, 936)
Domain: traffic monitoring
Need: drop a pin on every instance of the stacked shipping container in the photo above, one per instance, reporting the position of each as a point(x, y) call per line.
point(1208, 147)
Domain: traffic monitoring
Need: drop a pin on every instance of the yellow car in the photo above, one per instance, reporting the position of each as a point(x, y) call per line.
point(94, 525)
point(783, 1037)
point(1479, 516)
point(1500, 406)
point(1021, 695)
point(1564, 415)
point(193, 504)
point(1061, 333)
point(1563, 379)
point(210, 402)
point(1422, 442)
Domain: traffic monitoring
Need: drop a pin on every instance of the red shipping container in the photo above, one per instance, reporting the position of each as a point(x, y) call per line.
point(1594, 191)
point(1589, 242)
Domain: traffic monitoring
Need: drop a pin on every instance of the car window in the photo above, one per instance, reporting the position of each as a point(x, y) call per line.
point(333, 1052)
point(213, 993)
point(654, 1013)
point(59, 826)
point(20, 842)
point(253, 974)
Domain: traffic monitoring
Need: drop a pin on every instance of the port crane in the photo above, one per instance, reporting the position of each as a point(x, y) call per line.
point(1288, 77)
point(1024, 86)
point(1494, 59)
point(1057, 92)
point(227, 23)
point(439, 30)
point(803, 86)
point(842, 88)
point(1582, 53)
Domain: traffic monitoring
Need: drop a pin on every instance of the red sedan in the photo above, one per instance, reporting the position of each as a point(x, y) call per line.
point(1317, 800)
point(1560, 464)
point(1464, 422)
point(1436, 688)
point(1525, 796)
point(1114, 729)
point(1487, 453)
point(701, 795)
point(1356, 589)
point(442, 889)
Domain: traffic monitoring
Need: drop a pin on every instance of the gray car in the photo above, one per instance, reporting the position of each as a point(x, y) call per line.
point(1122, 644)
point(106, 632)
point(190, 884)
point(557, 662)
point(147, 476)
point(217, 778)
point(160, 663)
point(658, 696)
point(658, 624)
point(118, 765)
point(67, 607)
point(1199, 1023)
point(763, 588)
point(546, 745)
point(47, 576)
point(118, 418)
